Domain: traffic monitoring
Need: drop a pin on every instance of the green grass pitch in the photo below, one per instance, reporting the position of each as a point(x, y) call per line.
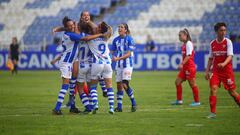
point(26, 102)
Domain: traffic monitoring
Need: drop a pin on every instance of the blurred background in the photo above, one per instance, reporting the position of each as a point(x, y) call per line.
point(154, 25)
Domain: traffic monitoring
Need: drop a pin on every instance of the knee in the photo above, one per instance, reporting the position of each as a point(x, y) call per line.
point(214, 90)
point(119, 86)
point(192, 84)
point(177, 82)
point(125, 84)
point(108, 83)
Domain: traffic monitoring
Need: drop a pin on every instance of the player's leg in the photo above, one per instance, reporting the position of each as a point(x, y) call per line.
point(61, 95)
point(120, 93)
point(214, 82)
point(195, 91)
point(96, 71)
point(66, 72)
point(178, 84)
point(229, 84)
point(120, 90)
point(107, 75)
point(236, 96)
point(84, 98)
point(15, 69)
point(126, 77)
point(83, 77)
point(72, 84)
point(213, 101)
point(103, 86)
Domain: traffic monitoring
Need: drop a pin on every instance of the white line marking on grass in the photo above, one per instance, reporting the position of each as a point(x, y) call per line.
point(194, 125)
point(19, 115)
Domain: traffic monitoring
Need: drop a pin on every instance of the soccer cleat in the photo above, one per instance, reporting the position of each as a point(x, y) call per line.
point(104, 94)
point(68, 105)
point(212, 116)
point(57, 112)
point(177, 102)
point(86, 111)
point(74, 110)
point(134, 108)
point(95, 108)
point(118, 109)
point(111, 111)
point(193, 104)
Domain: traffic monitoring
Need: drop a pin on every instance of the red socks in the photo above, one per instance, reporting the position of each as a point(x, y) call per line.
point(195, 93)
point(213, 102)
point(237, 99)
point(179, 92)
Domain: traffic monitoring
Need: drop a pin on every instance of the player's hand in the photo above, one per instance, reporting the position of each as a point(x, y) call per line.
point(220, 65)
point(207, 76)
point(180, 66)
point(53, 62)
point(54, 31)
point(114, 59)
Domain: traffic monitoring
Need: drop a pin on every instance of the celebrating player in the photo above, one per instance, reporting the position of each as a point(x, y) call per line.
point(123, 45)
point(101, 65)
point(220, 59)
point(187, 69)
point(70, 41)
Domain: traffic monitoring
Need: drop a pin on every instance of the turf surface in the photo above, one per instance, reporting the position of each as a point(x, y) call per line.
point(26, 101)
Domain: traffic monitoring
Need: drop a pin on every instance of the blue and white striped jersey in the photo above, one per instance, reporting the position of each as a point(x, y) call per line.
point(100, 50)
point(122, 45)
point(85, 54)
point(70, 42)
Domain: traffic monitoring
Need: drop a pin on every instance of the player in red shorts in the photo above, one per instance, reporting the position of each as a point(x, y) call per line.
point(220, 60)
point(187, 69)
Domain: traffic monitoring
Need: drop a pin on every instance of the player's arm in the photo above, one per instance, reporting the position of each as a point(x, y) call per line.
point(189, 50)
point(125, 56)
point(229, 54)
point(55, 60)
point(9, 52)
point(93, 27)
point(227, 60)
point(58, 29)
point(209, 64)
point(91, 37)
point(80, 37)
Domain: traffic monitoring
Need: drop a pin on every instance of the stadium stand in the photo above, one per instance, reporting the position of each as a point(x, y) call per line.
point(32, 20)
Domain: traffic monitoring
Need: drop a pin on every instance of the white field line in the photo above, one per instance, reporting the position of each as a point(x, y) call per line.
point(127, 111)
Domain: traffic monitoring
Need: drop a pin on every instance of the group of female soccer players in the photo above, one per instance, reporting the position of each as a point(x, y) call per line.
point(219, 68)
point(86, 59)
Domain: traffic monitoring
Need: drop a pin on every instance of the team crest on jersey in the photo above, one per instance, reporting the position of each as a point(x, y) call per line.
point(187, 72)
point(224, 46)
point(229, 81)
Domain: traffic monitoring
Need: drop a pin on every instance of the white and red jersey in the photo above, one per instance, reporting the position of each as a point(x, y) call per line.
point(219, 51)
point(188, 50)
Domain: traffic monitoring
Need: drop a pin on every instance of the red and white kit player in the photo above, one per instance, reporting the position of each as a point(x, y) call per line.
point(187, 69)
point(220, 60)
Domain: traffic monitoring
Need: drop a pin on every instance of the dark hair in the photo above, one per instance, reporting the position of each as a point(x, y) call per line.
point(218, 25)
point(83, 12)
point(186, 32)
point(65, 21)
point(127, 28)
point(104, 27)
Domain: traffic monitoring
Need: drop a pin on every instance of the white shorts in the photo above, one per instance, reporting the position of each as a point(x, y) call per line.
point(84, 73)
point(66, 70)
point(101, 69)
point(123, 74)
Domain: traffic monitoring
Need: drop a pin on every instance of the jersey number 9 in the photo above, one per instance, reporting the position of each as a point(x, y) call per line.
point(102, 48)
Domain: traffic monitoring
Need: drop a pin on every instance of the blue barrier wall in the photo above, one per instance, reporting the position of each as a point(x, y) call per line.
point(143, 61)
